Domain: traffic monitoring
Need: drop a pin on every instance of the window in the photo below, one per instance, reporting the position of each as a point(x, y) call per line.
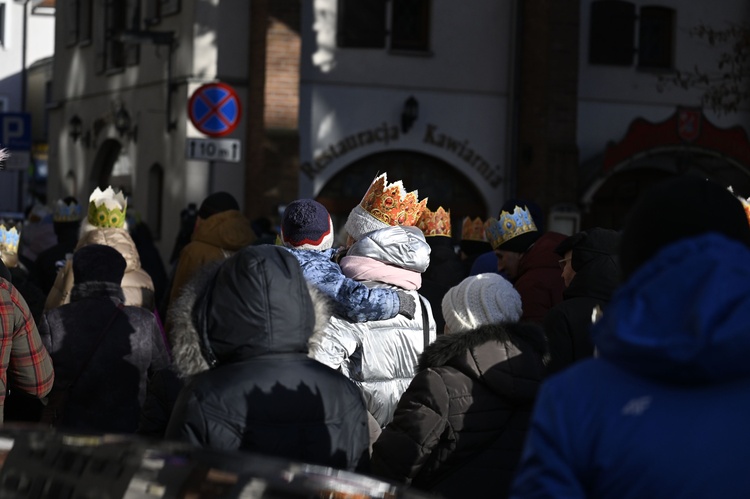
point(613, 30)
point(361, 24)
point(402, 25)
point(612, 34)
point(156, 9)
point(110, 51)
point(3, 103)
point(655, 37)
point(410, 25)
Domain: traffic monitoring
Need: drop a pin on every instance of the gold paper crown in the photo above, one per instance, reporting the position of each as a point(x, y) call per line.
point(509, 226)
point(107, 208)
point(435, 223)
point(390, 204)
point(9, 240)
point(745, 203)
point(473, 230)
point(66, 212)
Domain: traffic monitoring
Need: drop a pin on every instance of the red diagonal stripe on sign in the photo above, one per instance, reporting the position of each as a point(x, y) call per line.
point(215, 109)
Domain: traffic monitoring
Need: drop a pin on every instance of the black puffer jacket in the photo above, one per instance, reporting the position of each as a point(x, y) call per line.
point(568, 323)
point(264, 394)
point(110, 391)
point(444, 272)
point(459, 428)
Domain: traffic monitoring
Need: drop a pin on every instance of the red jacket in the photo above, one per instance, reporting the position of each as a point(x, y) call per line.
point(539, 280)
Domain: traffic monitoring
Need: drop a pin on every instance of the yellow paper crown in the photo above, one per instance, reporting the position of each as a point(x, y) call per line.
point(107, 208)
point(509, 226)
point(435, 223)
point(390, 204)
point(9, 239)
point(66, 212)
point(745, 203)
point(473, 230)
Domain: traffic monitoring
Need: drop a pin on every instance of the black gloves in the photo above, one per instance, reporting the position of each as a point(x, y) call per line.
point(406, 304)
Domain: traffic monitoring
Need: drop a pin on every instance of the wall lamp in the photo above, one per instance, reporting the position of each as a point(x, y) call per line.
point(138, 37)
point(124, 124)
point(75, 127)
point(410, 114)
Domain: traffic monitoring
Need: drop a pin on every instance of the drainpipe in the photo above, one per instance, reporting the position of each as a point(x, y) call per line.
point(24, 75)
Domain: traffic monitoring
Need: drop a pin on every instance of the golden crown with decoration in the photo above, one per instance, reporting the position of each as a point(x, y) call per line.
point(745, 203)
point(9, 239)
point(435, 223)
point(66, 212)
point(391, 204)
point(107, 208)
point(509, 226)
point(473, 229)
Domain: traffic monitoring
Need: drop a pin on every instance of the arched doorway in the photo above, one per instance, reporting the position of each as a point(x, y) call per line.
point(435, 179)
point(684, 144)
point(104, 162)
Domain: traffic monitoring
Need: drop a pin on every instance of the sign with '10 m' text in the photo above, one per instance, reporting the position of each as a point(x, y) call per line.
point(229, 150)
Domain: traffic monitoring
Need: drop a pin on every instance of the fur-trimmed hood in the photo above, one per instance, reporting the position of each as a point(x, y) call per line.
point(509, 358)
point(256, 302)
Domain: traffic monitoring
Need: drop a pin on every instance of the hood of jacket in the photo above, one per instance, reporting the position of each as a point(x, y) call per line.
point(401, 245)
point(541, 254)
point(508, 358)
point(684, 315)
point(598, 278)
point(229, 230)
point(116, 238)
point(256, 302)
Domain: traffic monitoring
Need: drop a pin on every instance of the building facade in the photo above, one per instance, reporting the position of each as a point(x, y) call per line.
point(556, 101)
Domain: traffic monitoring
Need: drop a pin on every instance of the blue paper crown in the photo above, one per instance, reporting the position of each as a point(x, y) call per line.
point(509, 226)
point(67, 212)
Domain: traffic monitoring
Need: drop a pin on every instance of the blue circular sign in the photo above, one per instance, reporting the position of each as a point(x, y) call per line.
point(214, 109)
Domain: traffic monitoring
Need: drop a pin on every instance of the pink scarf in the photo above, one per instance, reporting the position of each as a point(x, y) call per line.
point(361, 268)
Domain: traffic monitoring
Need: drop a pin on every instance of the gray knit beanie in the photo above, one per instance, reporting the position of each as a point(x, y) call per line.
point(479, 300)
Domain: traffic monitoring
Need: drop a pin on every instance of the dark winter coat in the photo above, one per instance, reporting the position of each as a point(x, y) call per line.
point(444, 272)
point(459, 428)
point(539, 280)
point(568, 324)
point(264, 393)
point(109, 393)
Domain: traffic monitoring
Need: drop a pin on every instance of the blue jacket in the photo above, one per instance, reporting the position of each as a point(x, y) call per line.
point(351, 299)
point(664, 410)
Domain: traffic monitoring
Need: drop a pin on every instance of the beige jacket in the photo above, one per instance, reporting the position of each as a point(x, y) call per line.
point(136, 283)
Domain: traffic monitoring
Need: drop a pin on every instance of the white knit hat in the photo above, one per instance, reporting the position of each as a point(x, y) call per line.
point(479, 300)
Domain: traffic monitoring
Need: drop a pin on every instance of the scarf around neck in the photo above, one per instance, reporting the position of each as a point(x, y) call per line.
point(361, 268)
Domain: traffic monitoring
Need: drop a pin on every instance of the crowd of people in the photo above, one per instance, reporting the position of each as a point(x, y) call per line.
point(518, 362)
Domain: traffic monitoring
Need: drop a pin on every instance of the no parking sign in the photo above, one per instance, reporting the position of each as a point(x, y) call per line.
point(215, 109)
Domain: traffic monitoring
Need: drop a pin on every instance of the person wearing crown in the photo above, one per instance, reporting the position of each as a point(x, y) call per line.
point(388, 252)
point(105, 224)
point(445, 269)
point(527, 258)
point(474, 244)
point(66, 221)
point(307, 232)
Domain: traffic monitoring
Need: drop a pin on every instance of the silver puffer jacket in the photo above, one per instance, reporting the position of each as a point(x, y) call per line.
point(381, 356)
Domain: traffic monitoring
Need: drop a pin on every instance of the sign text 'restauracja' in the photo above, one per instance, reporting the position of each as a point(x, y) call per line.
point(386, 134)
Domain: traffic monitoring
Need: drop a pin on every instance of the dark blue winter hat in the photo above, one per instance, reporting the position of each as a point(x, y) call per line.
point(217, 202)
point(306, 224)
point(97, 262)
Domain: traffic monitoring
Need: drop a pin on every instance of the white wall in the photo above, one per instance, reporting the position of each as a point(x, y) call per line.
point(462, 90)
point(611, 97)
